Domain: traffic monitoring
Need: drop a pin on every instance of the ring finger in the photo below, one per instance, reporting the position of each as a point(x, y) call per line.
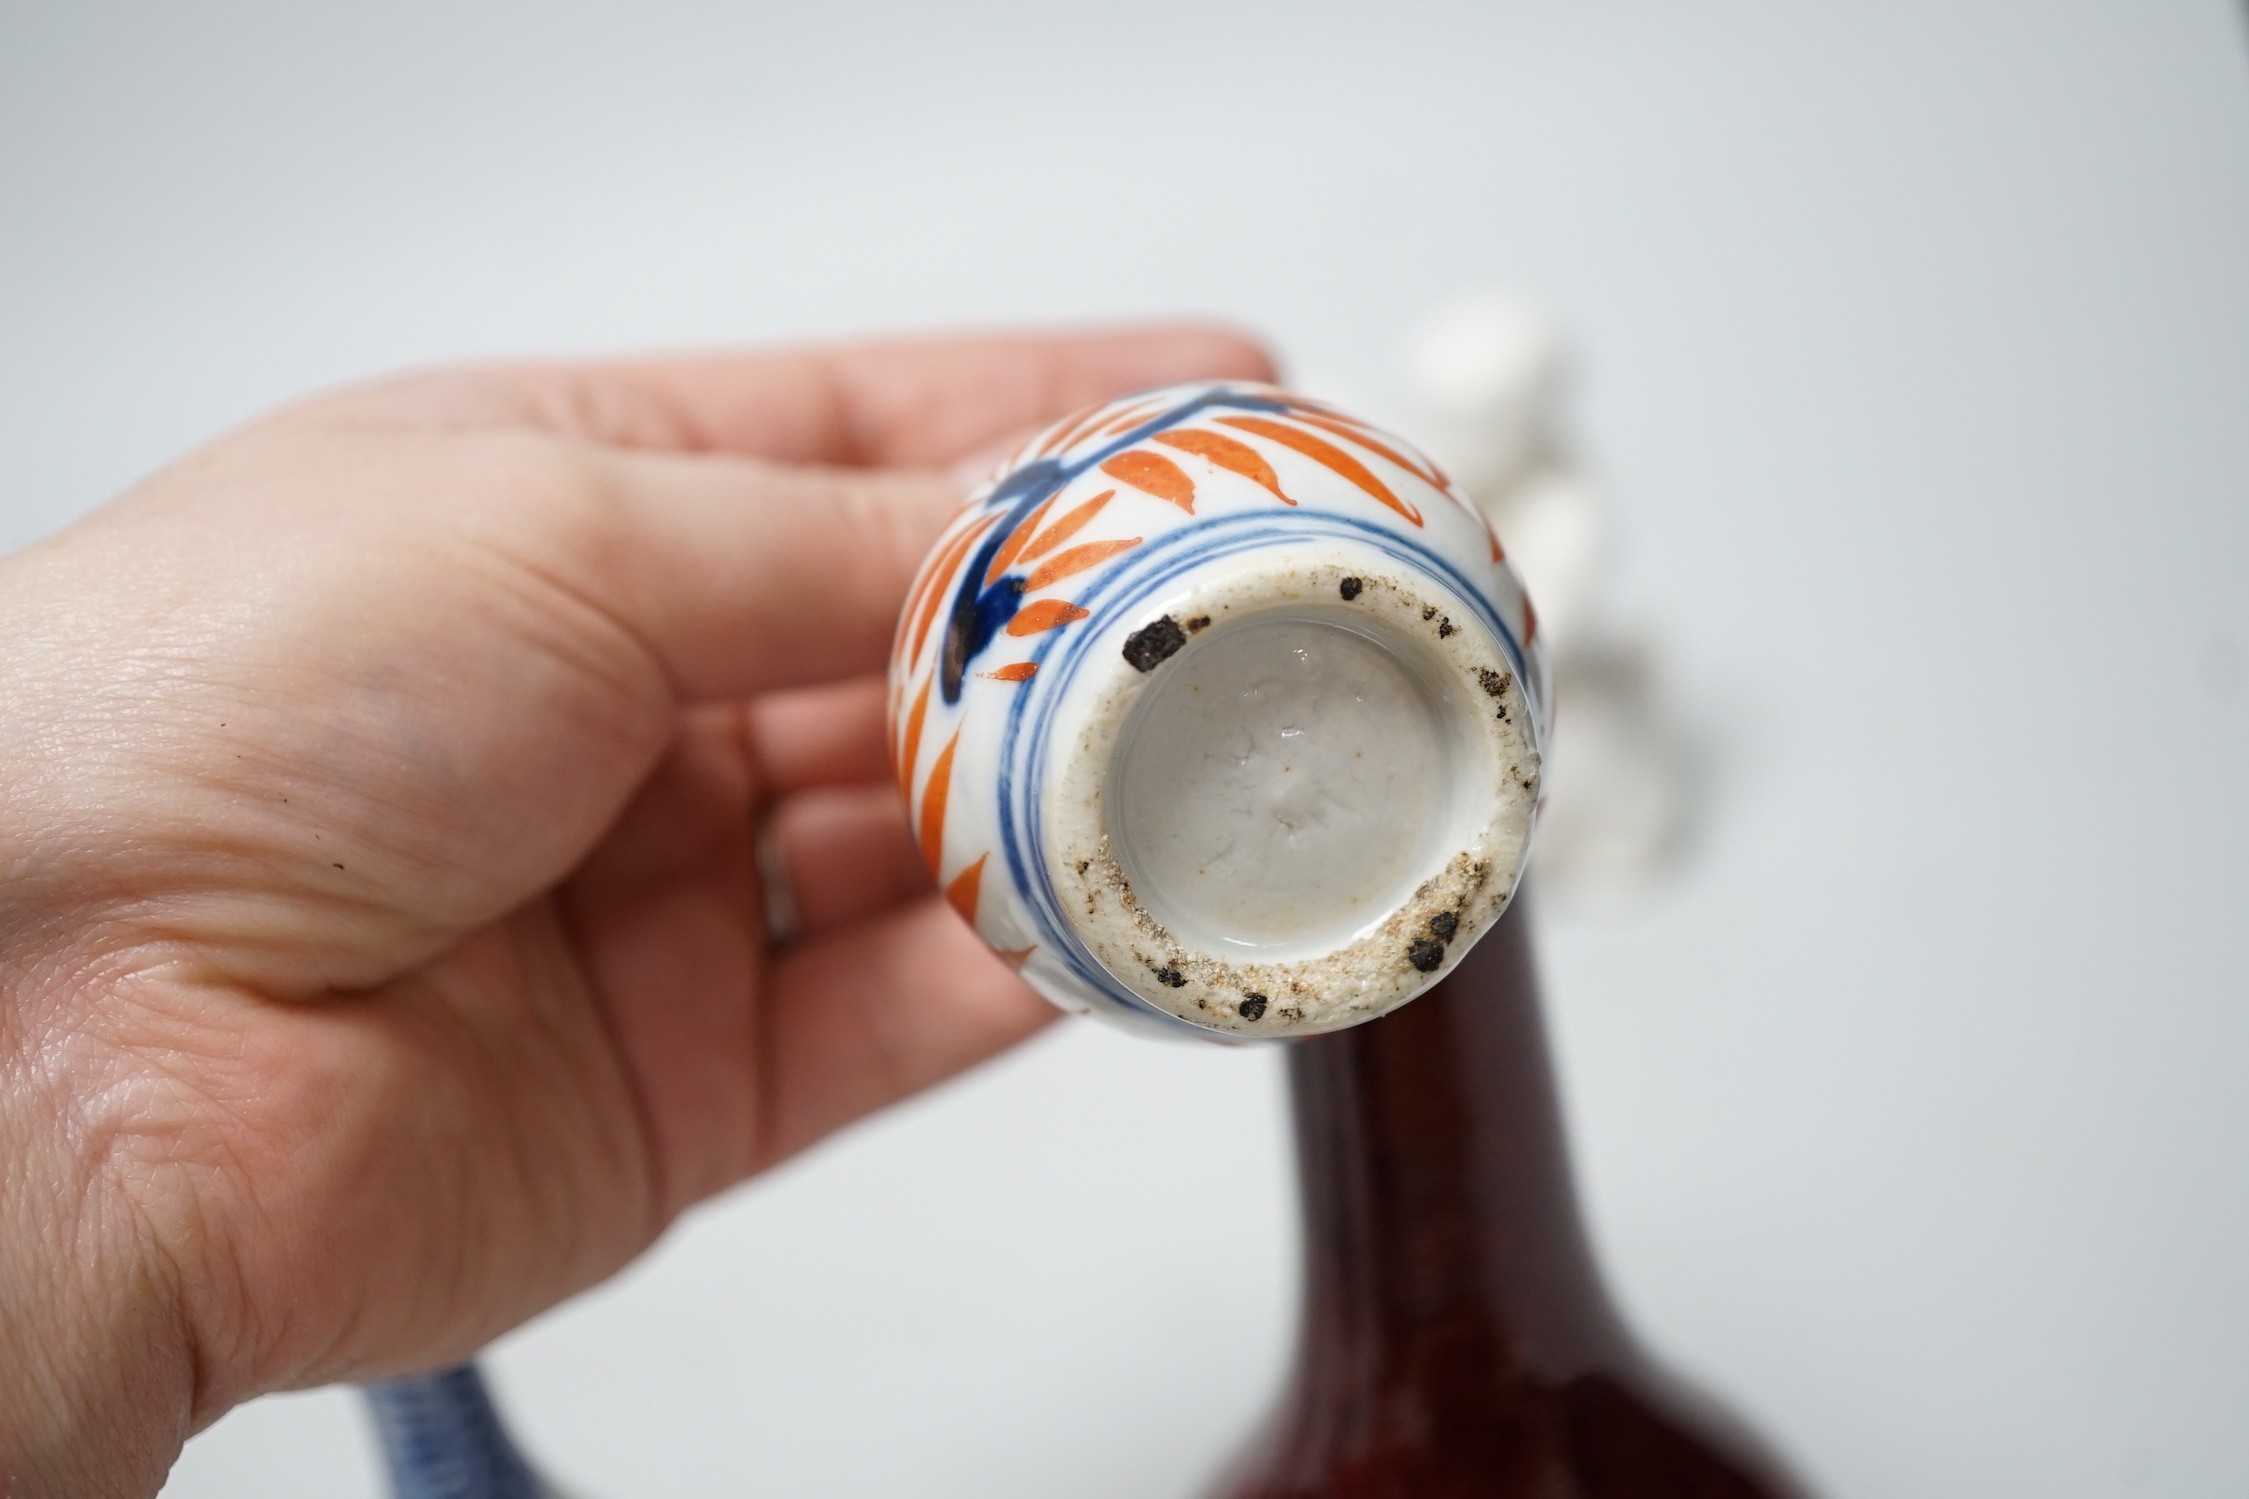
point(843, 853)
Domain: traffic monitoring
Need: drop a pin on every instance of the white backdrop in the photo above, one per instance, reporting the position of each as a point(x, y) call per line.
point(1912, 1117)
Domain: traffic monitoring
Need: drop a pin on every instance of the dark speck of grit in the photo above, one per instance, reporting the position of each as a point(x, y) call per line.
point(1152, 645)
point(1349, 588)
point(1443, 925)
point(1171, 977)
point(339, 866)
point(1425, 954)
point(1199, 622)
point(1252, 1007)
point(1495, 683)
point(1428, 611)
point(1444, 627)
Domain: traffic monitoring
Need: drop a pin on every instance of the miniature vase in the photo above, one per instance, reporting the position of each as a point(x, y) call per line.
point(1219, 711)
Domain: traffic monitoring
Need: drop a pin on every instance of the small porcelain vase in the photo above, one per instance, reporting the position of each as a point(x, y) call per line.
point(1218, 710)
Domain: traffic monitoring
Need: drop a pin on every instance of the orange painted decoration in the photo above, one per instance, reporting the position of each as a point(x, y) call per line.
point(1426, 472)
point(1344, 424)
point(933, 800)
point(965, 887)
point(1327, 454)
point(941, 574)
point(1155, 474)
point(1132, 418)
point(1228, 453)
point(1077, 560)
point(1530, 621)
point(932, 579)
point(912, 744)
point(1067, 525)
point(1014, 543)
point(1046, 614)
point(1020, 671)
point(1075, 427)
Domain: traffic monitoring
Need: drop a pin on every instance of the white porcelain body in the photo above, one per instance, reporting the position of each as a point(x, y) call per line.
point(1151, 532)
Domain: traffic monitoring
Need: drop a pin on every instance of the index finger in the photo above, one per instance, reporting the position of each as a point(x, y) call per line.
point(904, 403)
point(743, 576)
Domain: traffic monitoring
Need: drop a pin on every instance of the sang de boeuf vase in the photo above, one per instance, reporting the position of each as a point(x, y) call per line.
point(1455, 1340)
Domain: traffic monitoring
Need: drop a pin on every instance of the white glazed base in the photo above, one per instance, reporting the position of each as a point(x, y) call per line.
point(1299, 789)
point(1281, 780)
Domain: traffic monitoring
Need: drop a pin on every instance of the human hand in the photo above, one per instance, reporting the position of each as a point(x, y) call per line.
point(381, 957)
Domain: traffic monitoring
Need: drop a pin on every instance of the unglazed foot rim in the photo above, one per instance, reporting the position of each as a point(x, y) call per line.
point(1420, 820)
